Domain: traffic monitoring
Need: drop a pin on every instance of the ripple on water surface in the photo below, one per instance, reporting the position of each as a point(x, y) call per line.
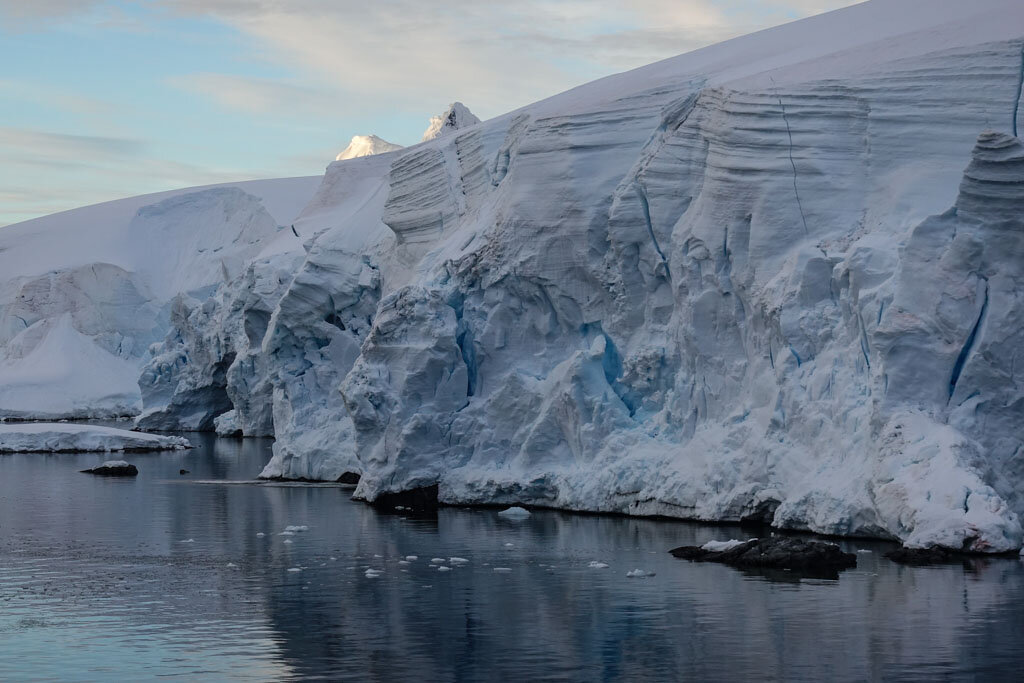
point(97, 582)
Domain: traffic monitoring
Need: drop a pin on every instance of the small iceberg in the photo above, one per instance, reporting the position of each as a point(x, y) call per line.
point(515, 513)
point(442, 568)
point(638, 574)
point(597, 565)
point(372, 573)
point(457, 560)
point(50, 437)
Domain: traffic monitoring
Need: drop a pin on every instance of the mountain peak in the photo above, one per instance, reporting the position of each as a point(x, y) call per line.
point(366, 145)
point(456, 116)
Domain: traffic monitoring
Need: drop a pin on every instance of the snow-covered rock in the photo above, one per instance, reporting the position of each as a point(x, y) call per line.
point(366, 145)
point(69, 437)
point(455, 117)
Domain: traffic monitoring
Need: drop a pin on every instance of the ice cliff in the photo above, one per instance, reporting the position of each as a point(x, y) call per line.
point(774, 279)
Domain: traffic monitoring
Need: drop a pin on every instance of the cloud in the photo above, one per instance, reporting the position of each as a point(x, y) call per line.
point(261, 95)
point(46, 171)
point(492, 54)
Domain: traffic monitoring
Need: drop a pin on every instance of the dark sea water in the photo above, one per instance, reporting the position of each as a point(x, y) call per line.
point(166, 576)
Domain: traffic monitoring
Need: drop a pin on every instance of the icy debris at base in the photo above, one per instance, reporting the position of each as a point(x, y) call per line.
point(594, 564)
point(515, 513)
point(455, 117)
point(64, 437)
point(699, 289)
point(722, 546)
point(638, 574)
point(364, 146)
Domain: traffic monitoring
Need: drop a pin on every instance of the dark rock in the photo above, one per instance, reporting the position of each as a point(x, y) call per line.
point(349, 478)
point(183, 472)
point(810, 558)
point(114, 468)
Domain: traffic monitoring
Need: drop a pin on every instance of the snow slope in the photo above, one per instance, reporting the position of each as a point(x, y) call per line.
point(85, 292)
point(775, 279)
point(43, 437)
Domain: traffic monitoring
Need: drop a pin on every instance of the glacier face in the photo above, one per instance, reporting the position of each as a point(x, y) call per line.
point(752, 282)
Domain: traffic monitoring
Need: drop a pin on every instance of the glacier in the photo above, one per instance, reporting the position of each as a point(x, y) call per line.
point(777, 279)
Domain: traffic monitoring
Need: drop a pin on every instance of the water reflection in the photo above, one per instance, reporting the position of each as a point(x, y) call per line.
point(164, 575)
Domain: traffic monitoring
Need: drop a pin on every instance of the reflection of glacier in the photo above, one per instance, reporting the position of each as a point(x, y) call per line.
point(751, 281)
point(691, 622)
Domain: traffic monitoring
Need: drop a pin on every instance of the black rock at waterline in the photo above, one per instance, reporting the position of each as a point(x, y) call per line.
point(350, 478)
point(183, 472)
point(806, 557)
point(114, 469)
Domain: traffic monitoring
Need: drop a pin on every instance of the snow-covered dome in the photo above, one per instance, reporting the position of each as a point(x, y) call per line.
point(366, 145)
point(457, 116)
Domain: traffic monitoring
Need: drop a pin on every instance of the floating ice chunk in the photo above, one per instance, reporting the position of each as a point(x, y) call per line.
point(378, 556)
point(403, 562)
point(597, 565)
point(864, 551)
point(372, 573)
point(296, 529)
point(287, 533)
point(442, 568)
point(333, 559)
point(232, 565)
point(295, 569)
point(188, 540)
point(438, 560)
point(502, 570)
point(260, 534)
point(412, 558)
point(509, 545)
point(287, 540)
point(458, 560)
point(721, 546)
point(639, 574)
point(515, 513)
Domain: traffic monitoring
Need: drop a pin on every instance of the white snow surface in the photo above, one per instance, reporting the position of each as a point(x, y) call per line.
point(366, 145)
point(777, 278)
point(722, 546)
point(61, 437)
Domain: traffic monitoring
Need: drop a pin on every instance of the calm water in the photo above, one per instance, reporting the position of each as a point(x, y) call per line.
point(165, 575)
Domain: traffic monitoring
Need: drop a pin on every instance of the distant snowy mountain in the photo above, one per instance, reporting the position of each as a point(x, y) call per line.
point(456, 117)
point(85, 292)
point(366, 145)
point(777, 279)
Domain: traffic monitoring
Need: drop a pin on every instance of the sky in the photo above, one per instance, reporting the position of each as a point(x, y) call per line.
point(103, 99)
